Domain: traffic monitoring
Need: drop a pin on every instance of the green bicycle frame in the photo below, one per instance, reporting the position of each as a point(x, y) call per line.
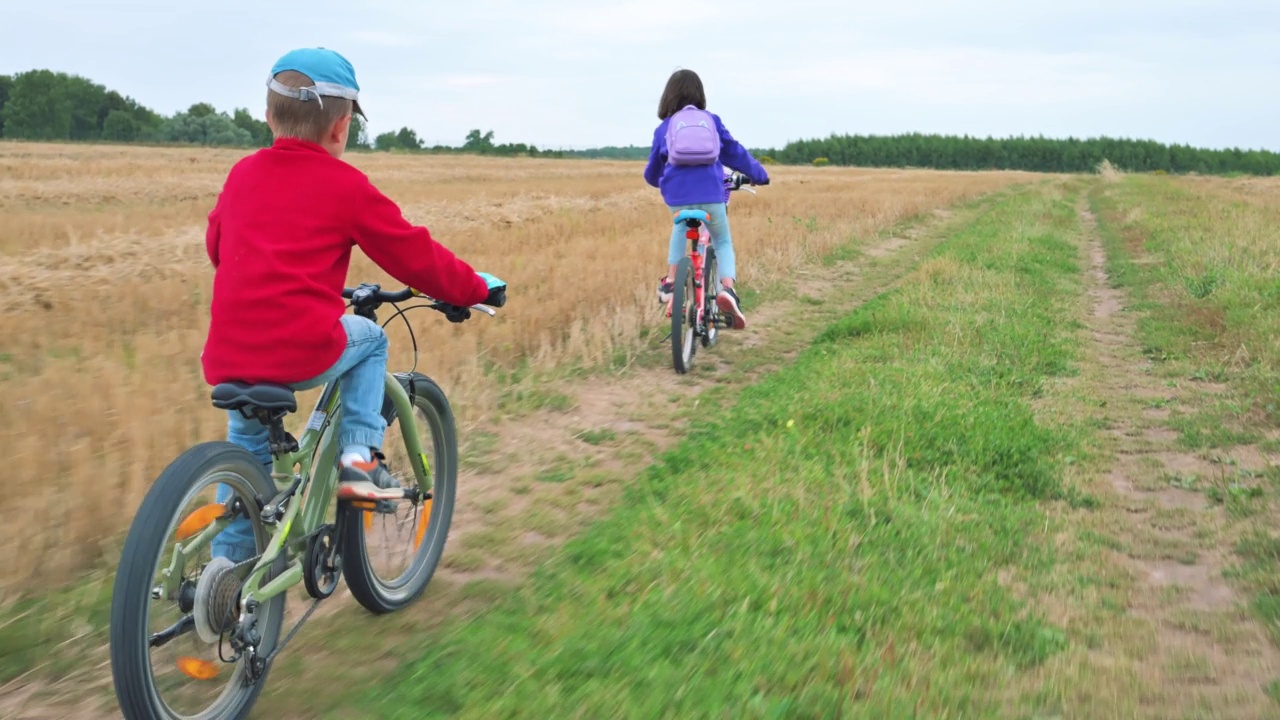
point(290, 532)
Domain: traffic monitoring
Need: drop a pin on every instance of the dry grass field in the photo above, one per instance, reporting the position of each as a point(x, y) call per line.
point(106, 283)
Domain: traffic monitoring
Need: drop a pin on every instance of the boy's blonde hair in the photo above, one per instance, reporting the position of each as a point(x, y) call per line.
point(305, 120)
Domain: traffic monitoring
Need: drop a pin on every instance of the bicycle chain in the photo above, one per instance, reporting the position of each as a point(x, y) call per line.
point(305, 616)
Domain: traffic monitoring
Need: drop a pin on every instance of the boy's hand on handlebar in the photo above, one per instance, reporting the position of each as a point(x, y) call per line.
point(497, 290)
point(456, 313)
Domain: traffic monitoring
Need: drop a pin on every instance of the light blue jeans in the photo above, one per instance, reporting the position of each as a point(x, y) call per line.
point(718, 226)
point(361, 375)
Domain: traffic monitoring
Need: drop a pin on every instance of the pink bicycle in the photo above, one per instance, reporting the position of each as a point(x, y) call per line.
point(695, 316)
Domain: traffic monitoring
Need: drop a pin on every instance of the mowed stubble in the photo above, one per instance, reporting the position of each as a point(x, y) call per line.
point(107, 285)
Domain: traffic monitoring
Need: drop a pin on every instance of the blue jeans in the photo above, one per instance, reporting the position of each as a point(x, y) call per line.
point(718, 226)
point(361, 375)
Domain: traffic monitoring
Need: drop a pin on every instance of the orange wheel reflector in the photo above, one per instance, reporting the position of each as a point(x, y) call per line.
point(197, 669)
point(423, 519)
point(368, 520)
point(199, 519)
point(362, 504)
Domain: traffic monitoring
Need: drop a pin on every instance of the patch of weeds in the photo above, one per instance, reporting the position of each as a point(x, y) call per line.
point(597, 479)
point(1183, 482)
point(1078, 499)
point(1273, 691)
point(55, 630)
point(464, 560)
point(555, 475)
point(844, 253)
point(520, 399)
point(1239, 499)
point(1202, 285)
point(810, 223)
point(598, 437)
point(1099, 539)
point(488, 541)
point(1212, 374)
point(492, 506)
point(1205, 430)
point(484, 589)
point(479, 451)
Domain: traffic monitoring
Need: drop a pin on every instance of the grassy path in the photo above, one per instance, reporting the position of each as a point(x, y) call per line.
point(1015, 461)
point(832, 545)
point(1162, 575)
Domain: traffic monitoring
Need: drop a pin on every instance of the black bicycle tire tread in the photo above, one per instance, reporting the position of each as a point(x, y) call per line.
point(684, 269)
point(711, 287)
point(355, 571)
point(129, 677)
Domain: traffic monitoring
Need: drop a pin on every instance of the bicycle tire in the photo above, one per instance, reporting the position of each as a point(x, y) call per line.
point(154, 523)
point(711, 287)
point(376, 595)
point(684, 318)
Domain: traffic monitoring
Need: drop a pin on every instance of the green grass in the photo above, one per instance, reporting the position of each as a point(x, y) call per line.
point(1201, 259)
point(52, 630)
point(848, 562)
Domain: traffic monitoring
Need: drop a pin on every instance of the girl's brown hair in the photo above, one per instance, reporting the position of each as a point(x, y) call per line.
point(684, 87)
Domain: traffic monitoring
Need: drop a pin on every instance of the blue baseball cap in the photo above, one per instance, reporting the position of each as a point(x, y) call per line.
point(332, 74)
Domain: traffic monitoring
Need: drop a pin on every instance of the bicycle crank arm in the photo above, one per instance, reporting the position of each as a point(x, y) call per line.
point(180, 628)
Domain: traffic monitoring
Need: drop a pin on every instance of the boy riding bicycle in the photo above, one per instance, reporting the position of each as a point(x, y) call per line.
point(280, 239)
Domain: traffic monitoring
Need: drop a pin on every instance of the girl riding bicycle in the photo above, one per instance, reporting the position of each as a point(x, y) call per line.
point(691, 148)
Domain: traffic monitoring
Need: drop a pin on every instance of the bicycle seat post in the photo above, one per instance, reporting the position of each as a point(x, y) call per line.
point(279, 441)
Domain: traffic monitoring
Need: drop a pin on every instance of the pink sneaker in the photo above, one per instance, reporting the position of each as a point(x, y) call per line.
point(728, 302)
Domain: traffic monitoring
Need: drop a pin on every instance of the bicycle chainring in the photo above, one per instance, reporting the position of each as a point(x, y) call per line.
point(323, 563)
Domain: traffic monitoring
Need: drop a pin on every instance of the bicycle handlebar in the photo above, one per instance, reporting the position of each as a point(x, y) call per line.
point(366, 293)
point(370, 296)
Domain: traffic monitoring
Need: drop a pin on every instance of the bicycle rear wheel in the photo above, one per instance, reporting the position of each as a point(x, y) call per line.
point(684, 318)
point(390, 556)
point(710, 309)
point(185, 677)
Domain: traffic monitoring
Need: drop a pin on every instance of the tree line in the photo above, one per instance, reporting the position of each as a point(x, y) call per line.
point(1036, 154)
point(56, 106)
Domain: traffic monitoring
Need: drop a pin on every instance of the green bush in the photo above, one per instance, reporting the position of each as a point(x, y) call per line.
point(819, 162)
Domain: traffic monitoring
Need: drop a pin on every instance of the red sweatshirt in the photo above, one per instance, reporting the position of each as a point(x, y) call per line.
point(280, 238)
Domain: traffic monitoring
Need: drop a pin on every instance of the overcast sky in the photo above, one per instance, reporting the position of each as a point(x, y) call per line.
point(582, 73)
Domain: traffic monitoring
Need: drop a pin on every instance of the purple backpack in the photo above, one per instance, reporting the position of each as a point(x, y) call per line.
point(692, 138)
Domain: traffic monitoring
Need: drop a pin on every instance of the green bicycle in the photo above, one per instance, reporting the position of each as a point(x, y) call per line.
point(193, 636)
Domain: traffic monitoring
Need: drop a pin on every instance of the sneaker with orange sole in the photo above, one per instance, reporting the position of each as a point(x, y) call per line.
point(370, 482)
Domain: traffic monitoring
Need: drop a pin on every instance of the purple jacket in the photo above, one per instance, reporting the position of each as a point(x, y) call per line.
point(698, 184)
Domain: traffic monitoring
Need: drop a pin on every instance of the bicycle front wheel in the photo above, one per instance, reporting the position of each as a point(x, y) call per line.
point(186, 675)
point(390, 552)
point(684, 318)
